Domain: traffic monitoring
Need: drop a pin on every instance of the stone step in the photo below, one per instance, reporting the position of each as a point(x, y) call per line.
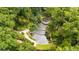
point(40, 39)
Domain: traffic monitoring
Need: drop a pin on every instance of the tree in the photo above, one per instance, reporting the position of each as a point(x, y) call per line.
point(8, 33)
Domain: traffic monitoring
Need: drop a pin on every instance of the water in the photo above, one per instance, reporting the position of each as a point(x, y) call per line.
point(39, 35)
point(40, 39)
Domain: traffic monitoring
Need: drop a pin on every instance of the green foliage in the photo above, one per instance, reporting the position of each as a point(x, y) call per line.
point(13, 19)
point(25, 46)
point(28, 18)
point(7, 39)
point(64, 27)
point(8, 33)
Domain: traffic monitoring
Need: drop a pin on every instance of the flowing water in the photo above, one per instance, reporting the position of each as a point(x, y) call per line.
point(39, 34)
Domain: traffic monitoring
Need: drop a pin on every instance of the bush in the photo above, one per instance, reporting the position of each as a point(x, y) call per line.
point(64, 27)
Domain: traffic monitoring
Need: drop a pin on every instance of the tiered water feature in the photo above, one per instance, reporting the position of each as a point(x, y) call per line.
point(39, 34)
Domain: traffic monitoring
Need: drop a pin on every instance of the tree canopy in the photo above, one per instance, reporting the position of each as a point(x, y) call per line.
point(62, 31)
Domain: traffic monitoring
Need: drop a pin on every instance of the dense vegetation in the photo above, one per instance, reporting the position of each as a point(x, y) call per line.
point(64, 28)
point(62, 31)
point(13, 20)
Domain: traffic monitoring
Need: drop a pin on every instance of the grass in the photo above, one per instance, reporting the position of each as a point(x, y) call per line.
point(43, 46)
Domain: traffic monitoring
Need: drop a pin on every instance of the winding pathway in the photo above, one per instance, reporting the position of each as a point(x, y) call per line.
point(38, 35)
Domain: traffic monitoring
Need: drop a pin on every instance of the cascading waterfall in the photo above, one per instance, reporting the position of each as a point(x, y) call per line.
point(39, 34)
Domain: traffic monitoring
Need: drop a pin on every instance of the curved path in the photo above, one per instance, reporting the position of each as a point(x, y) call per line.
point(38, 35)
point(27, 36)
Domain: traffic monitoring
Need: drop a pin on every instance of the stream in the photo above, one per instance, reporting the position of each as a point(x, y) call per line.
point(39, 34)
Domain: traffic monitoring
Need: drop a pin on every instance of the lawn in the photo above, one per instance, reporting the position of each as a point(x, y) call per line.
point(44, 46)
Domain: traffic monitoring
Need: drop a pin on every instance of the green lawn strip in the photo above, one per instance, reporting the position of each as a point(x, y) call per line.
point(43, 46)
